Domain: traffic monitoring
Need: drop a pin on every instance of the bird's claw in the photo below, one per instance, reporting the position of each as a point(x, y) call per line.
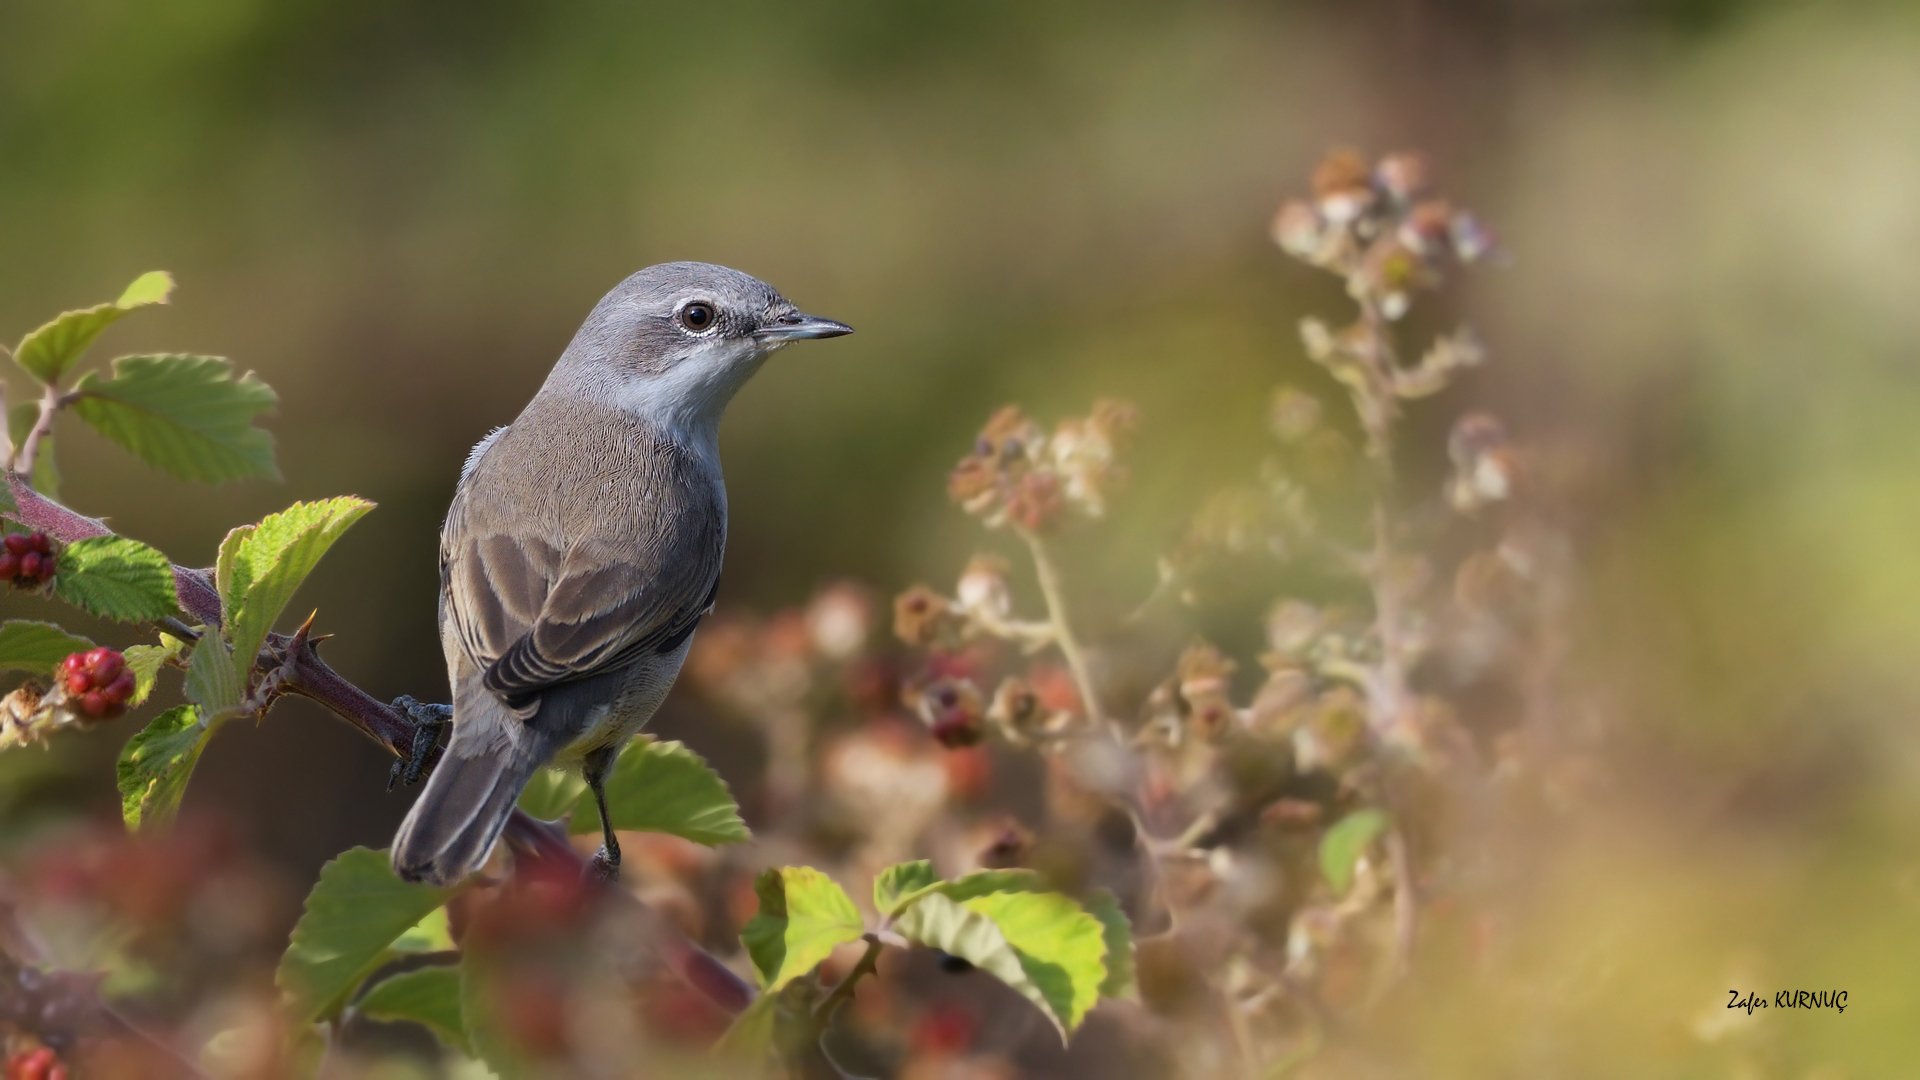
point(605, 867)
point(427, 720)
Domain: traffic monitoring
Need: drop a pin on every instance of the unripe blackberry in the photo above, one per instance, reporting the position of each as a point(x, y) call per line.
point(27, 559)
point(98, 682)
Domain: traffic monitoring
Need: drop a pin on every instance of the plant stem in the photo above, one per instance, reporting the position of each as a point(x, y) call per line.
point(51, 403)
point(1055, 597)
point(868, 964)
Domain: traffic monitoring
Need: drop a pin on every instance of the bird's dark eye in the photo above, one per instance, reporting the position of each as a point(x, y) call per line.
point(697, 317)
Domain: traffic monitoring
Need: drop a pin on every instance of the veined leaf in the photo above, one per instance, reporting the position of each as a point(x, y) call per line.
point(353, 915)
point(116, 578)
point(213, 679)
point(1041, 944)
point(896, 883)
point(1118, 930)
point(803, 917)
point(46, 475)
point(145, 661)
point(38, 647)
point(48, 352)
point(665, 787)
point(260, 566)
point(1345, 842)
point(187, 415)
point(551, 793)
point(429, 996)
point(156, 764)
point(433, 933)
point(1062, 949)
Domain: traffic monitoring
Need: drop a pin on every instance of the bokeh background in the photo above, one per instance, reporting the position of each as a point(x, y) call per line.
point(398, 213)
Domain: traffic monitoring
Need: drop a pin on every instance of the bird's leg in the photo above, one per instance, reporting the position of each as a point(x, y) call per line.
point(427, 720)
point(606, 861)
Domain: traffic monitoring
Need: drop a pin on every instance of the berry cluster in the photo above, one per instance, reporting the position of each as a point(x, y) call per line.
point(39, 1063)
point(98, 682)
point(28, 559)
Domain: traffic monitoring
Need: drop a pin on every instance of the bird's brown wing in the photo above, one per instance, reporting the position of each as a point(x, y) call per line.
point(575, 583)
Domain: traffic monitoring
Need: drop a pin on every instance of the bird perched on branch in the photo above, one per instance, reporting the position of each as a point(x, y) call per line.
point(582, 548)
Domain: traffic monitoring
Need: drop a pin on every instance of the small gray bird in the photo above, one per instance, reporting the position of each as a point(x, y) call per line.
point(582, 548)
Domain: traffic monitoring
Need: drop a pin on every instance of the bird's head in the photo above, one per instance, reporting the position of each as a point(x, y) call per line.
point(674, 342)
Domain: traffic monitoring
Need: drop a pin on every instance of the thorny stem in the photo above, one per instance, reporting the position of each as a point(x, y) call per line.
point(302, 672)
point(868, 964)
point(1055, 596)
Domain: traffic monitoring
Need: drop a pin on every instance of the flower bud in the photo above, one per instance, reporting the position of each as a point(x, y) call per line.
point(920, 616)
point(982, 590)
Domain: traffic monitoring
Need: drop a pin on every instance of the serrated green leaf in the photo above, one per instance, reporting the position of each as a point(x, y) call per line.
point(116, 578)
point(1345, 842)
point(665, 787)
point(186, 415)
point(48, 352)
point(551, 793)
point(433, 933)
point(1118, 931)
point(896, 883)
point(803, 917)
point(1061, 947)
point(978, 883)
point(429, 996)
point(38, 647)
point(751, 1033)
point(213, 679)
point(1040, 944)
point(156, 764)
point(354, 914)
point(46, 474)
point(145, 661)
point(261, 566)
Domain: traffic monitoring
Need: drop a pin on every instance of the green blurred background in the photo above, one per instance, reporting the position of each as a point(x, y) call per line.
point(398, 213)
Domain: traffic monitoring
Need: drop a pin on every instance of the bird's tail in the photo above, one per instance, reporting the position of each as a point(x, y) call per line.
point(458, 818)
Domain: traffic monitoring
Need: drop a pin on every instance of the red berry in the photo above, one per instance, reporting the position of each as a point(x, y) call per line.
point(18, 543)
point(73, 664)
point(30, 565)
point(107, 665)
point(78, 683)
point(9, 566)
point(121, 688)
point(41, 543)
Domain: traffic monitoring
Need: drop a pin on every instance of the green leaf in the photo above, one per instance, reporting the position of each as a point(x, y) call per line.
point(665, 787)
point(48, 352)
point(213, 680)
point(116, 578)
point(46, 475)
point(984, 882)
point(156, 764)
point(434, 933)
point(803, 917)
point(353, 915)
point(261, 566)
point(1118, 932)
point(751, 1033)
point(896, 883)
point(551, 793)
point(429, 996)
point(36, 646)
point(1345, 842)
point(187, 415)
point(1040, 944)
point(146, 661)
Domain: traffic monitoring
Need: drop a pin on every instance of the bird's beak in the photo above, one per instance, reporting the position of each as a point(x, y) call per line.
point(795, 326)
